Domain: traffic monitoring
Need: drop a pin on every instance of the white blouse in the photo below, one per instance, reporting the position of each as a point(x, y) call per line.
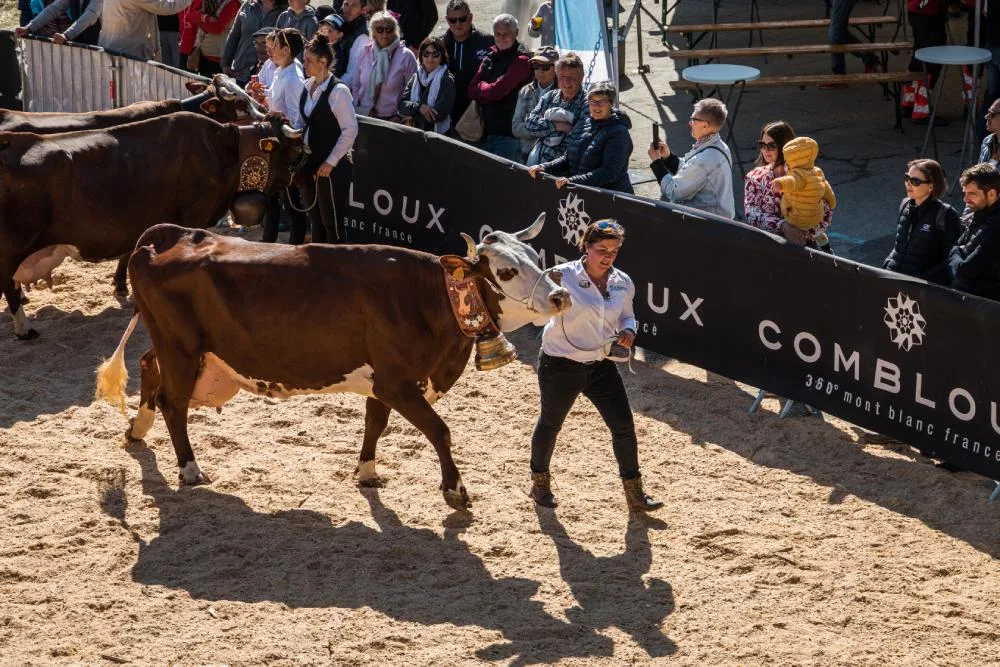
point(342, 106)
point(592, 320)
point(285, 92)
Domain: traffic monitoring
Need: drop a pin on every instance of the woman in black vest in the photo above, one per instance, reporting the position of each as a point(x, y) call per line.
point(331, 127)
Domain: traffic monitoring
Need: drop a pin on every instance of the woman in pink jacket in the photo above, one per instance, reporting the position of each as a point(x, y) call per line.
point(384, 68)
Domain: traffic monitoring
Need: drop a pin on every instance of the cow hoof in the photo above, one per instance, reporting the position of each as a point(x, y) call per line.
point(202, 478)
point(121, 293)
point(375, 482)
point(458, 499)
point(130, 440)
point(31, 335)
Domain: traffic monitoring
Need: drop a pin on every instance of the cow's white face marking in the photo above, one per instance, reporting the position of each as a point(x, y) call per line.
point(218, 383)
point(366, 470)
point(510, 257)
point(142, 423)
point(191, 472)
point(20, 322)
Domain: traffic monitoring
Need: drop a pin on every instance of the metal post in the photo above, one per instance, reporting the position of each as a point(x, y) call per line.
point(614, 41)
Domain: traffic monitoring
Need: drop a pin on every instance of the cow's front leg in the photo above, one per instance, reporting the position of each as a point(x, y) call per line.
point(410, 403)
point(121, 277)
point(149, 386)
point(178, 374)
point(376, 418)
point(15, 301)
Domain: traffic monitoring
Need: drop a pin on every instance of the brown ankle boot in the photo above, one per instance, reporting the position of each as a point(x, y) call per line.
point(637, 498)
point(541, 490)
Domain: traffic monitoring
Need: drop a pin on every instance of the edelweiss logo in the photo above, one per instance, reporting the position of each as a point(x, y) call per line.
point(906, 324)
point(573, 219)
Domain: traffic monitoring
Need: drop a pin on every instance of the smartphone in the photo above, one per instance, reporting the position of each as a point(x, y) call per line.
point(656, 134)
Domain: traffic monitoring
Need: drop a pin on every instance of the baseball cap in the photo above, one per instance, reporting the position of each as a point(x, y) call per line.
point(546, 54)
point(263, 32)
point(335, 20)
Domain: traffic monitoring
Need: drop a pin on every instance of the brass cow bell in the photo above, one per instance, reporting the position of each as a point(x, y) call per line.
point(493, 350)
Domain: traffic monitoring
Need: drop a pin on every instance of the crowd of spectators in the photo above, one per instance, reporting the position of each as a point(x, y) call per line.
point(536, 108)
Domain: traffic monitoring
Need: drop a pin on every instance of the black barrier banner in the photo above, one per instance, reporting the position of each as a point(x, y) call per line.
point(894, 355)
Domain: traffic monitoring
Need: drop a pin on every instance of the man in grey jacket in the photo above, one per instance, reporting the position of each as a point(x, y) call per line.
point(543, 67)
point(129, 26)
point(703, 178)
point(239, 55)
point(300, 16)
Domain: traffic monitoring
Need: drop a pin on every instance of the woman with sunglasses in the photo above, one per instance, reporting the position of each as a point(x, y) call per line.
point(577, 358)
point(429, 96)
point(927, 227)
point(761, 206)
point(599, 148)
point(384, 68)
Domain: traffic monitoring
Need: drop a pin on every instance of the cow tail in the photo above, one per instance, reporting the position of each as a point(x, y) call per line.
point(112, 375)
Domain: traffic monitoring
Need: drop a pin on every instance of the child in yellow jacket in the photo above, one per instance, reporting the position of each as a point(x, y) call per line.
point(804, 188)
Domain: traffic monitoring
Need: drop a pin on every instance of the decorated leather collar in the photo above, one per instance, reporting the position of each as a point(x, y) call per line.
point(467, 304)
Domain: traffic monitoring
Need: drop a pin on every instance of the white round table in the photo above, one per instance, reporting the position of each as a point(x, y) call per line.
point(947, 56)
point(720, 74)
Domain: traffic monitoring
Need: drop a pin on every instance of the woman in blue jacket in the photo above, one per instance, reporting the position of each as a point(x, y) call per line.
point(599, 148)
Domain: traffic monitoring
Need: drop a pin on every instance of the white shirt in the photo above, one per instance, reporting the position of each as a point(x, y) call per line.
point(592, 321)
point(354, 58)
point(285, 92)
point(342, 106)
point(266, 73)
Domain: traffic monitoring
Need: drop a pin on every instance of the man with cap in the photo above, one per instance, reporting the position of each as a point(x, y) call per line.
point(332, 27)
point(239, 55)
point(543, 68)
point(264, 69)
point(558, 111)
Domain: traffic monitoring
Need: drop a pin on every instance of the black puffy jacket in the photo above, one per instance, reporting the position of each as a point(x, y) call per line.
point(597, 154)
point(974, 262)
point(924, 236)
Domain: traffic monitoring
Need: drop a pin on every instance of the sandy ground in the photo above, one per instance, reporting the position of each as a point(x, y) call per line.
point(782, 542)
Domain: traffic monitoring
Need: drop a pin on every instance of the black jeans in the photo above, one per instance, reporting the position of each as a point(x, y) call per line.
point(928, 30)
point(272, 217)
point(327, 215)
point(560, 382)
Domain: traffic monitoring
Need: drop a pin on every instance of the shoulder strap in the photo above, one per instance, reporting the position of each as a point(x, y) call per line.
point(716, 148)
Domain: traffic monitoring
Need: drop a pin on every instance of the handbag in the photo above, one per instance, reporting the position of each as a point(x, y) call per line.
point(470, 126)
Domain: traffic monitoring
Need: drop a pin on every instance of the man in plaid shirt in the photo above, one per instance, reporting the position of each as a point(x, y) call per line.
point(558, 111)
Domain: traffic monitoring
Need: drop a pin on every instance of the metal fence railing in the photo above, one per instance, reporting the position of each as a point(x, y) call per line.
point(78, 77)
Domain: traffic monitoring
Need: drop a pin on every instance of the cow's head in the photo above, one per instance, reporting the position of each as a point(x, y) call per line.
point(218, 100)
point(270, 153)
point(525, 293)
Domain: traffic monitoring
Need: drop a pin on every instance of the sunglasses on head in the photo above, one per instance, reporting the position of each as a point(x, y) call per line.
point(609, 226)
point(914, 181)
point(458, 19)
point(767, 145)
point(383, 29)
point(542, 66)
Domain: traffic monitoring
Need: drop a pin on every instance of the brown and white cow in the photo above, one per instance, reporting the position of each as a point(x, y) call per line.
point(91, 194)
point(218, 100)
point(226, 314)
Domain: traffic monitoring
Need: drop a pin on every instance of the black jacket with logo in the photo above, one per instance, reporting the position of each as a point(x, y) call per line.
point(974, 262)
point(925, 235)
point(463, 63)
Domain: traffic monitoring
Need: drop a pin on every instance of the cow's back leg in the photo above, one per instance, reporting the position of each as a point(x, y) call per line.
point(178, 373)
point(410, 403)
point(376, 418)
point(149, 387)
point(121, 277)
point(15, 302)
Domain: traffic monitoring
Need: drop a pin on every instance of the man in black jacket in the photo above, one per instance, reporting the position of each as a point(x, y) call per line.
point(466, 49)
point(974, 262)
point(355, 29)
point(417, 19)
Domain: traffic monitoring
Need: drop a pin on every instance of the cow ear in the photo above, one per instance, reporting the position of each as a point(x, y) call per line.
point(210, 106)
point(268, 144)
point(195, 87)
point(457, 266)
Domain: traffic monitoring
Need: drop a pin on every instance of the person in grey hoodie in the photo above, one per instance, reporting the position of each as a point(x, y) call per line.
point(703, 178)
point(239, 55)
point(300, 16)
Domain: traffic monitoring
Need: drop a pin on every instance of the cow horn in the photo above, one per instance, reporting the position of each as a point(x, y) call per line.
point(472, 250)
point(532, 231)
point(291, 132)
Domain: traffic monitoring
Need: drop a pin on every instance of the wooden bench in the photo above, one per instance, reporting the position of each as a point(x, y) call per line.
point(806, 80)
point(693, 55)
point(865, 25)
